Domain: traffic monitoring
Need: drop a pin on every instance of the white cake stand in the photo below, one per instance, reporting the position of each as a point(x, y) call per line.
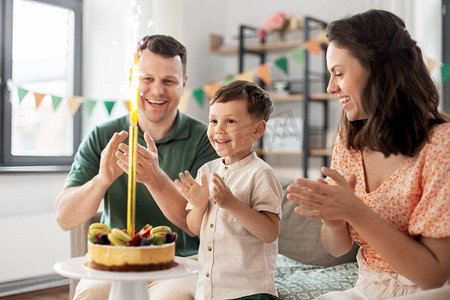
point(125, 285)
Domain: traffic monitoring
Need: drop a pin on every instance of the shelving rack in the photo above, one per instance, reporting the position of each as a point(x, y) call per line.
point(308, 97)
point(261, 49)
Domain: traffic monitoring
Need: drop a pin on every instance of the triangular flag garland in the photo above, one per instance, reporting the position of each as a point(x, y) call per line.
point(109, 105)
point(128, 105)
point(38, 97)
point(431, 64)
point(313, 46)
point(445, 72)
point(263, 72)
point(298, 54)
point(228, 79)
point(248, 76)
point(89, 105)
point(56, 101)
point(198, 94)
point(21, 93)
point(211, 88)
point(74, 103)
point(282, 64)
point(182, 106)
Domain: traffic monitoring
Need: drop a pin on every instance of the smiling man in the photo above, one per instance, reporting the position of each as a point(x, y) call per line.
point(169, 143)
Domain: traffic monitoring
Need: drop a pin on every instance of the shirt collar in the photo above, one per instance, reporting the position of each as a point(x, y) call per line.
point(179, 131)
point(238, 164)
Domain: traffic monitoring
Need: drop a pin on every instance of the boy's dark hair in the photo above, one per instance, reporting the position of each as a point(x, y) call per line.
point(400, 99)
point(259, 104)
point(163, 45)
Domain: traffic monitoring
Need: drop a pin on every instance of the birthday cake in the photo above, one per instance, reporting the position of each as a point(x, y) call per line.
point(151, 249)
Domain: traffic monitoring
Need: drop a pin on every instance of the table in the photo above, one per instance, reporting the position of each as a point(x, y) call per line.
point(125, 285)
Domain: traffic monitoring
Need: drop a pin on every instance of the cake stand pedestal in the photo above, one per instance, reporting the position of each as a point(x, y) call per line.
point(125, 285)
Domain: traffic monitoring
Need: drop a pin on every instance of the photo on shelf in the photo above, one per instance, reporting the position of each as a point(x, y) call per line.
point(283, 133)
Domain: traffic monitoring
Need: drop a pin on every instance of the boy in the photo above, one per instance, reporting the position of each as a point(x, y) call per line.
point(235, 202)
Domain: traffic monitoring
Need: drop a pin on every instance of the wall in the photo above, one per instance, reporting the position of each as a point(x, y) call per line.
point(31, 239)
point(28, 200)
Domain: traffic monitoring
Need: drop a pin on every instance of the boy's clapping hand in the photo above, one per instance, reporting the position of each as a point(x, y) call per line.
point(195, 193)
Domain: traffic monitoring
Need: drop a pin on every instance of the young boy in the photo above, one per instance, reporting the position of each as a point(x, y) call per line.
point(235, 202)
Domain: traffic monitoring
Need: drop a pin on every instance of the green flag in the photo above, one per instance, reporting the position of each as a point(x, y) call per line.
point(445, 72)
point(109, 105)
point(89, 105)
point(199, 94)
point(282, 64)
point(228, 79)
point(298, 54)
point(21, 93)
point(56, 100)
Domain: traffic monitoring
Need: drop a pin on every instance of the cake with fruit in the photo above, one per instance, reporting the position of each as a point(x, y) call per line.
point(151, 249)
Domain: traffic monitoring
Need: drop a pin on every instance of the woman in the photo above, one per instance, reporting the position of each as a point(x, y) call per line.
point(388, 188)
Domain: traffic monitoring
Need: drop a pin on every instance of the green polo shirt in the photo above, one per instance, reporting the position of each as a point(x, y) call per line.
point(185, 147)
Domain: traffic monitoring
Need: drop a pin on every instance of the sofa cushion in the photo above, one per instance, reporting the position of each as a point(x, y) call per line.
point(299, 237)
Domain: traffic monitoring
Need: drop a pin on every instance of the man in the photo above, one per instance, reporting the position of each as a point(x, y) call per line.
point(172, 143)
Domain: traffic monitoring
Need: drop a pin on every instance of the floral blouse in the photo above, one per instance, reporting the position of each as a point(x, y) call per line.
point(415, 198)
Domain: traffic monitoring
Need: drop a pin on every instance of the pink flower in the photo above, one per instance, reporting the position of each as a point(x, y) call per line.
point(261, 33)
point(276, 22)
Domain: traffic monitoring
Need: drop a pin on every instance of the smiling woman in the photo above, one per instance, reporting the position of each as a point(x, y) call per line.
point(41, 63)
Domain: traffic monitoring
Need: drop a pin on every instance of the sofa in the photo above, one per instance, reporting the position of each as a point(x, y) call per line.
point(304, 269)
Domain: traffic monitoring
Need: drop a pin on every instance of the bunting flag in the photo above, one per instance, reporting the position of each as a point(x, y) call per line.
point(182, 106)
point(211, 88)
point(298, 54)
point(322, 37)
point(282, 64)
point(21, 93)
point(248, 76)
point(89, 105)
point(228, 79)
point(431, 64)
point(127, 104)
point(38, 97)
point(74, 103)
point(313, 46)
point(198, 94)
point(56, 101)
point(109, 106)
point(445, 72)
point(264, 74)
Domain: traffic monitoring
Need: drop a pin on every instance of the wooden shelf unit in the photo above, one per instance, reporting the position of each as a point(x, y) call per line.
point(260, 49)
point(217, 46)
point(301, 97)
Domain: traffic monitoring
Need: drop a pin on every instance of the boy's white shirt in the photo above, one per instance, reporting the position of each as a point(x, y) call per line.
point(237, 262)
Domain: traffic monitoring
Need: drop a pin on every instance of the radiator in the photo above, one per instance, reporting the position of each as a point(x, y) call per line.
point(30, 246)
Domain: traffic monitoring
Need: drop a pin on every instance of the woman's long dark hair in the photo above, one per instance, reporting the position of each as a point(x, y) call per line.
point(400, 99)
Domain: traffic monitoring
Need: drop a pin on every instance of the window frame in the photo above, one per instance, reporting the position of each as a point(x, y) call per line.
point(8, 162)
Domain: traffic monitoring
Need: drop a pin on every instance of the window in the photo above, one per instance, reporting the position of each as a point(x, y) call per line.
point(41, 70)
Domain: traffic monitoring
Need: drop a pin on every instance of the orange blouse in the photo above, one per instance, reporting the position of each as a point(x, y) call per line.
point(415, 198)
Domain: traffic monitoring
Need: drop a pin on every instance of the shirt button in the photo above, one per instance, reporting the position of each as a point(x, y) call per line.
point(211, 225)
point(207, 274)
point(209, 248)
point(225, 168)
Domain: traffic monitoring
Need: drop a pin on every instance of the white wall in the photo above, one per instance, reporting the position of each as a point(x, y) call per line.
point(28, 201)
point(31, 239)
